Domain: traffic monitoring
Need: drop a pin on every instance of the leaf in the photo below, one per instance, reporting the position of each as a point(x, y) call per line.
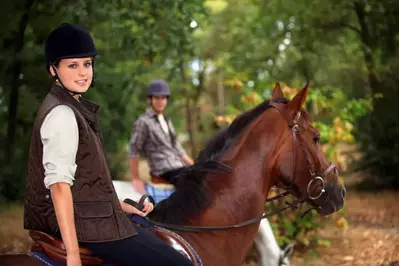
point(323, 243)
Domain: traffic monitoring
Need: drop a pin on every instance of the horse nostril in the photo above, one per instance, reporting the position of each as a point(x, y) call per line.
point(343, 193)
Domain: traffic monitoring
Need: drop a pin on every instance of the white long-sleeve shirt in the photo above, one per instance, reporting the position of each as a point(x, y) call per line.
point(163, 123)
point(60, 137)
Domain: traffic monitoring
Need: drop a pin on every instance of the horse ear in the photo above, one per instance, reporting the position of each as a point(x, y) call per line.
point(296, 103)
point(277, 92)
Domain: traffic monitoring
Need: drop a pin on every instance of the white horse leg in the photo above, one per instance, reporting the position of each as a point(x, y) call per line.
point(269, 251)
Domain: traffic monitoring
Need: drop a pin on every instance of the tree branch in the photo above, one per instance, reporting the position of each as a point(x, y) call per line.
point(338, 25)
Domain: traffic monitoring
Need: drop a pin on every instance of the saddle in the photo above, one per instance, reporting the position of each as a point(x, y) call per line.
point(157, 180)
point(54, 248)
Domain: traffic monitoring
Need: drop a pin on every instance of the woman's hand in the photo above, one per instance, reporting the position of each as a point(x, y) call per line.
point(148, 207)
point(73, 259)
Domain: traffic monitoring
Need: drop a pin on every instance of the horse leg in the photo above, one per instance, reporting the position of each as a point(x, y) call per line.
point(269, 252)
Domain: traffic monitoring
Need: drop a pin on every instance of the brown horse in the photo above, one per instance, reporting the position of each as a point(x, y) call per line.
point(273, 144)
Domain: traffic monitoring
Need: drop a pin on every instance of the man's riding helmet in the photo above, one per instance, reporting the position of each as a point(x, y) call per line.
point(158, 87)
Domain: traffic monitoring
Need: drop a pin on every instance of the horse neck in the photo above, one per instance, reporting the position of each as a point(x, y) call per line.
point(252, 160)
point(239, 196)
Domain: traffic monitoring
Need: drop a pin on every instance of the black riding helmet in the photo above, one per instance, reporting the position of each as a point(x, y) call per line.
point(68, 41)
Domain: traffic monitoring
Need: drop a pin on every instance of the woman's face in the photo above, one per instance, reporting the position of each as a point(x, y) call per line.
point(75, 73)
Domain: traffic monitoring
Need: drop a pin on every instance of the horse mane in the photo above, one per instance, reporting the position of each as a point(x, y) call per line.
point(191, 195)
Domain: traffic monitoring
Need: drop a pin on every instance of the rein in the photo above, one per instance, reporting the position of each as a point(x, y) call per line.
point(189, 228)
point(293, 205)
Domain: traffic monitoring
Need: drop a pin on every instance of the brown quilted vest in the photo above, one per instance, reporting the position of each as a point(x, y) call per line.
point(97, 211)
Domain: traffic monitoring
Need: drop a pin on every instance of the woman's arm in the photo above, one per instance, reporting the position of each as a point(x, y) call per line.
point(60, 137)
point(63, 205)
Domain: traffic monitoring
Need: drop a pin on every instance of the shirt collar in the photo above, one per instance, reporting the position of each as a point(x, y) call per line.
point(150, 112)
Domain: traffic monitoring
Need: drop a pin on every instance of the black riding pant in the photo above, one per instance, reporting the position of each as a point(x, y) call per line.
point(142, 249)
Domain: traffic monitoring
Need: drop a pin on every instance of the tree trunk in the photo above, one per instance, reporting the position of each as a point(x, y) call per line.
point(15, 71)
point(198, 92)
point(376, 126)
point(367, 47)
point(220, 91)
point(390, 45)
point(189, 115)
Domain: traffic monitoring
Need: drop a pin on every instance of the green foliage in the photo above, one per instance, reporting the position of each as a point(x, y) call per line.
point(292, 227)
point(343, 44)
point(332, 113)
point(137, 40)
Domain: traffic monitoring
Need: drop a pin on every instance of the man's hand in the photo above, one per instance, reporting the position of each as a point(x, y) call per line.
point(73, 259)
point(138, 184)
point(187, 160)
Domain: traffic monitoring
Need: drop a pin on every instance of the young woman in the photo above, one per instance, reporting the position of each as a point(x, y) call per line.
point(69, 191)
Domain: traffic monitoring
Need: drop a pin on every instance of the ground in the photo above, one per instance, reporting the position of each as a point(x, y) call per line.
point(372, 237)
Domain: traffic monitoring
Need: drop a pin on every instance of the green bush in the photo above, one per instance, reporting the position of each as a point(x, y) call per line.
point(378, 135)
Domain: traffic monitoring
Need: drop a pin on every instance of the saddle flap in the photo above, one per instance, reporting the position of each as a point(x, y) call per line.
point(170, 238)
point(178, 243)
point(41, 237)
point(54, 248)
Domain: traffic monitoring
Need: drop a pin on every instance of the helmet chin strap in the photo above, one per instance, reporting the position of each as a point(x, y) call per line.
point(73, 93)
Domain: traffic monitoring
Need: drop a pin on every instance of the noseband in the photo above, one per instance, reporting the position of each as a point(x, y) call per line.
point(297, 138)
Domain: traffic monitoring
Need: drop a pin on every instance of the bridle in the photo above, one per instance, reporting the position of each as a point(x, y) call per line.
point(297, 138)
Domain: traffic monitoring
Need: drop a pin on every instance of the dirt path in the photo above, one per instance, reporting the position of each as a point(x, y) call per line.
point(372, 237)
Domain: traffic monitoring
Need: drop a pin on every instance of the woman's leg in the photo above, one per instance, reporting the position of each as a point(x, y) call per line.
point(142, 249)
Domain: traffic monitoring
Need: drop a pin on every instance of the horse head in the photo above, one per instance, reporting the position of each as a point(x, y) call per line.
point(302, 168)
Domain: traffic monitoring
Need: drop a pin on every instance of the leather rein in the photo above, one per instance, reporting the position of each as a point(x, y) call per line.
point(297, 138)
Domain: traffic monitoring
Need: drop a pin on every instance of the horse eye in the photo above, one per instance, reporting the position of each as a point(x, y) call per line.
point(316, 139)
